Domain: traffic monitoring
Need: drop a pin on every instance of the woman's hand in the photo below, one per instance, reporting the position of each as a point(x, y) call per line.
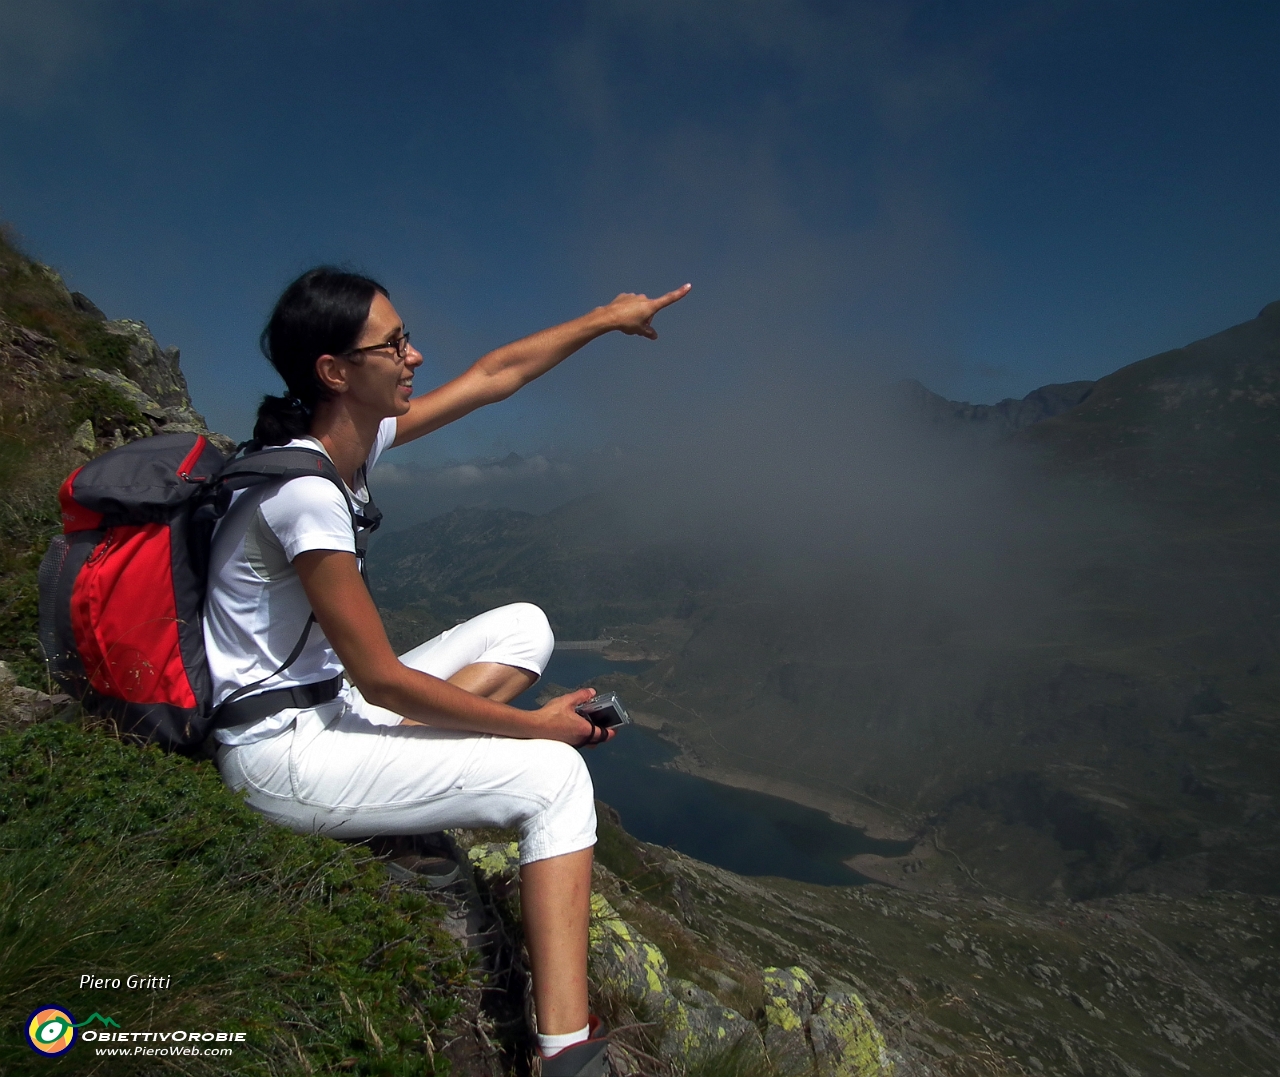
point(565, 724)
point(633, 314)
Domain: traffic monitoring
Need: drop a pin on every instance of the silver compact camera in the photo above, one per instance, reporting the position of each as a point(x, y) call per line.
point(604, 711)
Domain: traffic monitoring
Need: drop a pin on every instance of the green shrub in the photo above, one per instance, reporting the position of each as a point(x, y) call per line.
point(14, 452)
point(106, 407)
point(29, 517)
point(19, 614)
point(104, 349)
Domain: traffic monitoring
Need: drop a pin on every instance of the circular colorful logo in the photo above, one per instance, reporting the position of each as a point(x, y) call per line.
point(51, 1031)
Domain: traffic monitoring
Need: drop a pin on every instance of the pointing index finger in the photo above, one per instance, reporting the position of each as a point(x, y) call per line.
point(673, 296)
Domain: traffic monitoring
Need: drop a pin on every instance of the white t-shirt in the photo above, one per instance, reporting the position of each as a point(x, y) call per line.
point(256, 607)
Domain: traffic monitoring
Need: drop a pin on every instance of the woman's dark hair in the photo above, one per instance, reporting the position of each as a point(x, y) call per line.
point(321, 313)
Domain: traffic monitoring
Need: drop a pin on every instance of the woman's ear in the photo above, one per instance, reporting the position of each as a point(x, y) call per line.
point(331, 374)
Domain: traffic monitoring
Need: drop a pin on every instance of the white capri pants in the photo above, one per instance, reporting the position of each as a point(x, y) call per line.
point(348, 769)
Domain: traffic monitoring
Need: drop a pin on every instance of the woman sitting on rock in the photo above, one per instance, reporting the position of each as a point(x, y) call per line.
point(427, 740)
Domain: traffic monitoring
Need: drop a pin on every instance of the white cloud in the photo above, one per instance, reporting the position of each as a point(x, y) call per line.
point(410, 493)
point(512, 468)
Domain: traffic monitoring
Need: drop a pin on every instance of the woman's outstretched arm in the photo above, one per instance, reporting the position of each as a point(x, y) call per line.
point(350, 620)
point(501, 372)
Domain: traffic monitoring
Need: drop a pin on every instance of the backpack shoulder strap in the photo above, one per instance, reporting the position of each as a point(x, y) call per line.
point(367, 519)
point(265, 465)
point(283, 464)
point(226, 714)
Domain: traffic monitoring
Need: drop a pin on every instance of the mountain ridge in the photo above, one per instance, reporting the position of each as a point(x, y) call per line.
point(1003, 418)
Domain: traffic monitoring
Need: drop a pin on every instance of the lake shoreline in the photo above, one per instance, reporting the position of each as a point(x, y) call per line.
point(874, 822)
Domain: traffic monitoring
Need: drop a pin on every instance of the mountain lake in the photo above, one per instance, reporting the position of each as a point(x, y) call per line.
point(747, 833)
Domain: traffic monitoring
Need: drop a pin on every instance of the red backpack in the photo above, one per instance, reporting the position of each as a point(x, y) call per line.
point(122, 589)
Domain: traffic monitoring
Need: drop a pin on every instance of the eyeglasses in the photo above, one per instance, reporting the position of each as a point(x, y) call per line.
point(400, 344)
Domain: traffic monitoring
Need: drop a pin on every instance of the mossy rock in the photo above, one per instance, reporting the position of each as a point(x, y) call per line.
point(697, 1028)
point(625, 961)
point(846, 1041)
point(790, 996)
point(495, 861)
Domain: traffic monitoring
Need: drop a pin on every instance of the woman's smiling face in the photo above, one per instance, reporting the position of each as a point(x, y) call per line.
point(377, 377)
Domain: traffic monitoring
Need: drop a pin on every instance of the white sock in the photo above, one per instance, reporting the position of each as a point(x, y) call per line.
point(550, 1045)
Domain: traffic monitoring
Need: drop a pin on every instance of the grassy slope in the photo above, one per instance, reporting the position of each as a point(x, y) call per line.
point(116, 860)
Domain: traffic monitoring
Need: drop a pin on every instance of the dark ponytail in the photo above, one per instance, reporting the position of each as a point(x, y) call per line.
point(280, 420)
point(321, 313)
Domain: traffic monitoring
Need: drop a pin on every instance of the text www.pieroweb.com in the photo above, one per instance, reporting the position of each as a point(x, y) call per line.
point(165, 1050)
point(185, 1044)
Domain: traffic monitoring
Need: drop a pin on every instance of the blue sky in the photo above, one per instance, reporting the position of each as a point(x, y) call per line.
point(986, 196)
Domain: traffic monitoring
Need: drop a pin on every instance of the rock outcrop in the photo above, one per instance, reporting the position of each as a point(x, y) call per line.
point(158, 382)
point(831, 1034)
point(151, 380)
point(804, 1030)
point(694, 1023)
point(127, 360)
point(20, 705)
